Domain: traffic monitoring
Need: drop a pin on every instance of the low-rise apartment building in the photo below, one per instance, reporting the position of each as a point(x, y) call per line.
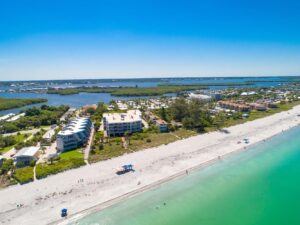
point(117, 124)
point(74, 135)
point(234, 106)
point(257, 106)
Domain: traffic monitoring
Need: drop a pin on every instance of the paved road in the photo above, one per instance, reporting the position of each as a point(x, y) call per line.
point(33, 131)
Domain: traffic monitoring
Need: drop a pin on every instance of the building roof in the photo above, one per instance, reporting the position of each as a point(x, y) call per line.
point(161, 122)
point(200, 96)
point(28, 151)
point(75, 126)
point(129, 116)
point(86, 107)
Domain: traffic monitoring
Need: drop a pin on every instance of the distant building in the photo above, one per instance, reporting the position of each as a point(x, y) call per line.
point(86, 108)
point(116, 124)
point(268, 103)
point(248, 93)
point(216, 96)
point(16, 117)
point(258, 107)
point(6, 117)
point(200, 97)
point(234, 106)
point(26, 155)
point(162, 125)
point(74, 135)
point(47, 137)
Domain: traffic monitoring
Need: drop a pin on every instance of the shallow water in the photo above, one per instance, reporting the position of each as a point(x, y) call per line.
point(257, 187)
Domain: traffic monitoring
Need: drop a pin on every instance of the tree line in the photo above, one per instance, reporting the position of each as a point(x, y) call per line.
point(35, 117)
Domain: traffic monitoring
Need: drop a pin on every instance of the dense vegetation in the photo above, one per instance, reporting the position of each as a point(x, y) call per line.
point(128, 91)
point(192, 114)
point(8, 103)
point(5, 179)
point(225, 84)
point(33, 141)
point(103, 149)
point(8, 142)
point(24, 175)
point(44, 170)
point(35, 117)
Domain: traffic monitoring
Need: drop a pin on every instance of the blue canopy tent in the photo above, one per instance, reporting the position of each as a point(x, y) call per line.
point(125, 169)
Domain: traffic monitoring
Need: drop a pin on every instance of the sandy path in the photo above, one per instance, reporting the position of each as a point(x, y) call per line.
point(94, 184)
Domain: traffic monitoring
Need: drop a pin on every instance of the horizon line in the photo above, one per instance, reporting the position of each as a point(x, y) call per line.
point(168, 77)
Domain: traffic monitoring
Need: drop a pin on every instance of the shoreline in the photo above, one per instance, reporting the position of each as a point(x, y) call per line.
point(157, 184)
point(101, 188)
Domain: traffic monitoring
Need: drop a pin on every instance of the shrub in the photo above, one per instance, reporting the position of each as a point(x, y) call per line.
point(44, 170)
point(6, 166)
point(24, 175)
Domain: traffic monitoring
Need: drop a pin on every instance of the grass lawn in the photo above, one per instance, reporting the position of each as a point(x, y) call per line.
point(44, 126)
point(68, 160)
point(24, 175)
point(76, 153)
point(6, 149)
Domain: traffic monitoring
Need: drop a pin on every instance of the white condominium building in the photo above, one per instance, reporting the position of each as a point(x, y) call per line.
point(116, 124)
point(74, 135)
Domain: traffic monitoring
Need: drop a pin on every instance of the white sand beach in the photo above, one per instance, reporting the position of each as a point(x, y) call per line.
point(96, 186)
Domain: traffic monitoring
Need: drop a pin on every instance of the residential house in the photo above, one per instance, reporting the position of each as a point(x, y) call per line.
point(26, 155)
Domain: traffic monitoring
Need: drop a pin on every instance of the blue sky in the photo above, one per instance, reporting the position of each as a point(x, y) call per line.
point(118, 39)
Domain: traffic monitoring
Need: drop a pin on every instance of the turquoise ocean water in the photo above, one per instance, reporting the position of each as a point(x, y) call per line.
point(260, 186)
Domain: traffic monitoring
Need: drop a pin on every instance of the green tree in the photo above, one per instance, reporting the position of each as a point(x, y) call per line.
point(219, 120)
point(162, 113)
point(178, 109)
